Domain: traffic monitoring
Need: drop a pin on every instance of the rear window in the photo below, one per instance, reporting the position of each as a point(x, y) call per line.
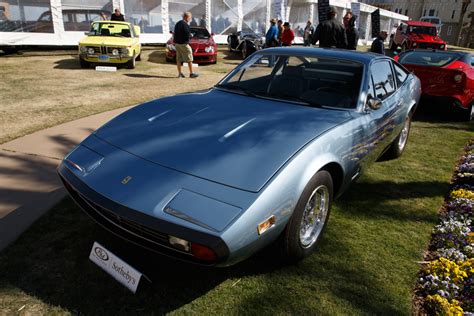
point(427, 59)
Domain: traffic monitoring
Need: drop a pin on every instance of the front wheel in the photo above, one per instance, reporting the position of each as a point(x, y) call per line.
point(309, 218)
point(139, 57)
point(398, 145)
point(131, 63)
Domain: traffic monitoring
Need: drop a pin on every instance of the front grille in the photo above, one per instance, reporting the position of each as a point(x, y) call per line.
point(129, 225)
point(123, 227)
point(428, 46)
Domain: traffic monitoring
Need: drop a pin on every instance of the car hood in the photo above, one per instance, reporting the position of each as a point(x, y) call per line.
point(223, 137)
point(107, 40)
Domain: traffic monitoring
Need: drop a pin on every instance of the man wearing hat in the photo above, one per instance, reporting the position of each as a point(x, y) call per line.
point(271, 38)
point(330, 33)
point(288, 35)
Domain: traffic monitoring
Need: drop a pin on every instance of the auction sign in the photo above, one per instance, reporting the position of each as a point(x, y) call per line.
point(116, 267)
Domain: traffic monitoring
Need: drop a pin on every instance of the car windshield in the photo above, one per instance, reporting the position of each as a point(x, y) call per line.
point(200, 33)
point(110, 29)
point(307, 80)
point(427, 58)
point(430, 30)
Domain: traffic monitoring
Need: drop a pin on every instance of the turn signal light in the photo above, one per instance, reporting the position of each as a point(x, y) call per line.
point(266, 224)
point(202, 252)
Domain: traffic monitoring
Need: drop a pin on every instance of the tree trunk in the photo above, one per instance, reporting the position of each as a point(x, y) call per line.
point(465, 4)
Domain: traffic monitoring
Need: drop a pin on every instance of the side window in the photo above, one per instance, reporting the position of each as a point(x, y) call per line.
point(384, 83)
point(400, 74)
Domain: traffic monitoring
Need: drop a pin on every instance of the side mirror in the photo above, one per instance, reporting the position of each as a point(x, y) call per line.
point(88, 33)
point(374, 103)
point(212, 34)
point(137, 30)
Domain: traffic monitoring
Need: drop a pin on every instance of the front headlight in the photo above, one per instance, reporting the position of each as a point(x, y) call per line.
point(414, 44)
point(209, 49)
point(441, 47)
point(115, 51)
point(90, 51)
point(82, 49)
point(170, 47)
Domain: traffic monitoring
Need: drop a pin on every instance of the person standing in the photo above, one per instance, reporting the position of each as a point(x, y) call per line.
point(378, 43)
point(330, 33)
point(184, 53)
point(308, 33)
point(117, 16)
point(280, 31)
point(271, 38)
point(352, 33)
point(288, 35)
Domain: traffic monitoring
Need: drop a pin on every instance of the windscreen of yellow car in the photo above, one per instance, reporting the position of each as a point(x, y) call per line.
point(111, 29)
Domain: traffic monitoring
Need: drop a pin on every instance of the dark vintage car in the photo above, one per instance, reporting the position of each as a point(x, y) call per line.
point(212, 177)
point(202, 43)
point(246, 43)
point(444, 74)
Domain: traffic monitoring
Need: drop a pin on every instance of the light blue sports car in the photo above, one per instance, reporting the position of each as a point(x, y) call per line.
point(212, 177)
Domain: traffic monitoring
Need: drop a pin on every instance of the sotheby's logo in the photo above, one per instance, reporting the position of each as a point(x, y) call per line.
point(101, 253)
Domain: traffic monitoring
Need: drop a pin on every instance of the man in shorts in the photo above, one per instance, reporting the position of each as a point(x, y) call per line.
point(184, 53)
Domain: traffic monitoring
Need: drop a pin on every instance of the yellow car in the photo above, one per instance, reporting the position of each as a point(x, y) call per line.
point(111, 42)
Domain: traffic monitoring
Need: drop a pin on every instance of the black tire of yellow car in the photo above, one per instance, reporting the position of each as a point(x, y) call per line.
point(290, 243)
point(83, 63)
point(131, 63)
point(139, 57)
point(396, 149)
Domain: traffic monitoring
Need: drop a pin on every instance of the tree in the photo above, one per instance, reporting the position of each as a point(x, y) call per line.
point(465, 4)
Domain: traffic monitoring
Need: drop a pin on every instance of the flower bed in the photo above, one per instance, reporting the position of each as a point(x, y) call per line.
point(446, 282)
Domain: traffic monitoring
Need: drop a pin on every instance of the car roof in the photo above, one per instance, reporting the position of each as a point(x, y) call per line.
point(419, 23)
point(362, 57)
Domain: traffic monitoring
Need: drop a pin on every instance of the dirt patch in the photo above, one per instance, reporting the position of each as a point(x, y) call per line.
point(40, 91)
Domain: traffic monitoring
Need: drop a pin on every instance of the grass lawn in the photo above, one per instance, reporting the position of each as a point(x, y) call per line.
point(46, 89)
point(366, 262)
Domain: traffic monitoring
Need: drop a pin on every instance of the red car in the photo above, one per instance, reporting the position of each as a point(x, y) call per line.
point(416, 34)
point(449, 75)
point(203, 46)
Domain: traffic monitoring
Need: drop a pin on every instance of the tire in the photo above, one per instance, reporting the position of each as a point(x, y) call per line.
point(298, 241)
point(139, 57)
point(469, 116)
point(83, 63)
point(131, 63)
point(392, 45)
point(398, 145)
point(8, 50)
point(244, 50)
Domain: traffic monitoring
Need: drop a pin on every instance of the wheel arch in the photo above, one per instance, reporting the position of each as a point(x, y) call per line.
point(337, 175)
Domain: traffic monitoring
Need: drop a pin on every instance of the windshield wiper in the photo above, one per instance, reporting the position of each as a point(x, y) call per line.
point(236, 88)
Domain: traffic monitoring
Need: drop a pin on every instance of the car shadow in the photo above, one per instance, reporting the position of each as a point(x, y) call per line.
point(148, 76)
point(68, 63)
point(57, 260)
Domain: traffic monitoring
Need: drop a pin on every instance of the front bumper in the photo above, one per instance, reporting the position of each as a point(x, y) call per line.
point(198, 58)
point(114, 59)
point(139, 228)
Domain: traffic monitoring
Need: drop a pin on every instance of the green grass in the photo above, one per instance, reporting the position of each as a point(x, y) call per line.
point(366, 262)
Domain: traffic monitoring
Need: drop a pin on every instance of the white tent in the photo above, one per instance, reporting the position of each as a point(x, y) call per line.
point(63, 22)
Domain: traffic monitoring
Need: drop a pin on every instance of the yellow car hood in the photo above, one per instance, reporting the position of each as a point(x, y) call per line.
point(108, 41)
